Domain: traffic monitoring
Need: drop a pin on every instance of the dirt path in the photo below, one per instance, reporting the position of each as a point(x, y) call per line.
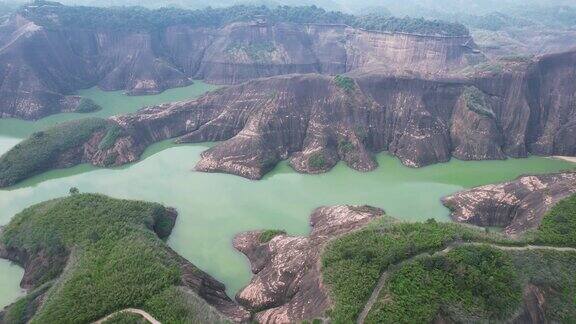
point(565, 158)
point(144, 314)
point(382, 281)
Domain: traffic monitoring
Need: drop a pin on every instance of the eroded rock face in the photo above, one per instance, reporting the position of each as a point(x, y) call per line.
point(314, 120)
point(42, 66)
point(287, 284)
point(517, 205)
point(533, 309)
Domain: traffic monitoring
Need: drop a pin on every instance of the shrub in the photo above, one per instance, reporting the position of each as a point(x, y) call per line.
point(87, 106)
point(41, 150)
point(258, 51)
point(117, 260)
point(352, 264)
point(114, 131)
point(558, 226)
point(138, 18)
point(469, 282)
point(476, 101)
point(126, 318)
point(553, 273)
point(345, 83)
point(267, 235)
point(317, 160)
point(346, 146)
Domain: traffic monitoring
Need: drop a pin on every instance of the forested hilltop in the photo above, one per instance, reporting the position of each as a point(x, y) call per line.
point(53, 15)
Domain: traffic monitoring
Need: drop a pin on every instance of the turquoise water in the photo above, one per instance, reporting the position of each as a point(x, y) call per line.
point(214, 207)
point(10, 275)
point(112, 102)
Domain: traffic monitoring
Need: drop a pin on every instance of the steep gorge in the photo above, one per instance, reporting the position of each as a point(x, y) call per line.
point(315, 121)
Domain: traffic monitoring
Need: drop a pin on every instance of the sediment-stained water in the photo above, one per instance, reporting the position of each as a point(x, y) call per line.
point(214, 207)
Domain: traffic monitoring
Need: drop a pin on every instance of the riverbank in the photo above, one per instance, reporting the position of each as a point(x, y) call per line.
point(571, 159)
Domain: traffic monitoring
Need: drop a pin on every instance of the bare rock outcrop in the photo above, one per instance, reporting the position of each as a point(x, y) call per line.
point(533, 308)
point(314, 120)
point(41, 66)
point(517, 205)
point(287, 283)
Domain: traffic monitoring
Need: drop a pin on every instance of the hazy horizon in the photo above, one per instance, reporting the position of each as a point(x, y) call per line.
point(406, 7)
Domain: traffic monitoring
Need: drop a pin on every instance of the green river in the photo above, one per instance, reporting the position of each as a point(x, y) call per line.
point(214, 207)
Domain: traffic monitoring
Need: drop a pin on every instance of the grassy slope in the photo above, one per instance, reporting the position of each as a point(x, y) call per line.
point(41, 150)
point(353, 264)
point(126, 318)
point(467, 283)
point(116, 259)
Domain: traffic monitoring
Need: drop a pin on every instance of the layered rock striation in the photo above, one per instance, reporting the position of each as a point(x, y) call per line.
point(314, 120)
point(287, 283)
point(518, 205)
point(44, 64)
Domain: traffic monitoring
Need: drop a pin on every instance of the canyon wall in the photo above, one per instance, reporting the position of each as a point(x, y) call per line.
point(42, 67)
point(314, 120)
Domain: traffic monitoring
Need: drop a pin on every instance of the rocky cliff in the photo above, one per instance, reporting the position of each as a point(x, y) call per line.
point(517, 205)
point(43, 66)
point(315, 121)
point(287, 283)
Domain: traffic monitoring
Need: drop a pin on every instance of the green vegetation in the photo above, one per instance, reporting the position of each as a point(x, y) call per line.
point(114, 131)
point(42, 149)
point(346, 83)
point(87, 106)
point(115, 258)
point(23, 309)
point(551, 17)
point(352, 264)
point(465, 283)
point(126, 318)
point(267, 235)
point(346, 146)
point(138, 18)
point(314, 321)
point(489, 67)
point(553, 273)
point(258, 51)
point(559, 226)
point(476, 101)
point(317, 161)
